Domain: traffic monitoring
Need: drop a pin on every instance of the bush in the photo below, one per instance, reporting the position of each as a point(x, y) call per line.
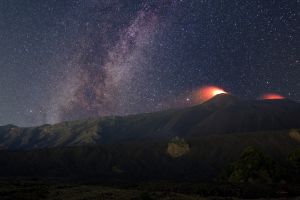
point(253, 166)
point(295, 156)
point(177, 147)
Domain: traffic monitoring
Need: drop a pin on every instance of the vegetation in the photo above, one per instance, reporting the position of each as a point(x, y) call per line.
point(187, 147)
point(177, 147)
point(293, 166)
point(295, 156)
point(61, 189)
point(295, 135)
point(253, 166)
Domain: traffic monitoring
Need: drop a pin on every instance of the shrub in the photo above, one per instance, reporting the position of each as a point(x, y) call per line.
point(177, 147)
point(253, 166)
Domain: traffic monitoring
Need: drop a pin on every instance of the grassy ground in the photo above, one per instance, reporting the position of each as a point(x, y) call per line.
point(36, 189)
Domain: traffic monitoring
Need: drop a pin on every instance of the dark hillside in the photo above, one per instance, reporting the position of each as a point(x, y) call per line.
point(204, 158)
point(223, 114)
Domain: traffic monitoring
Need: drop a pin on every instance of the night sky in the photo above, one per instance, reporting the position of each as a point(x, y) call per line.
point(74, 59)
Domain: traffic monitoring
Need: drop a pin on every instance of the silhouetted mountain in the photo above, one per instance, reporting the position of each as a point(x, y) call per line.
point(223, 114)
point(194, 143)
point(221, 101)
point(246, 116)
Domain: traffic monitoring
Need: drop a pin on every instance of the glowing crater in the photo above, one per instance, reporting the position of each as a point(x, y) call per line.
point(270, 96)
point(208, 92)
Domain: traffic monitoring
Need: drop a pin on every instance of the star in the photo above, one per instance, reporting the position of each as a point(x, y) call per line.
point(67, 60)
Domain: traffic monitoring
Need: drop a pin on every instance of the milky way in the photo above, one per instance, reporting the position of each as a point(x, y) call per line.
point(108, 88)
point(67, 60)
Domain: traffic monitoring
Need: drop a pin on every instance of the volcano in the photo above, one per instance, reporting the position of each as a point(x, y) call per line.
point(194, 144)
point(223, 114)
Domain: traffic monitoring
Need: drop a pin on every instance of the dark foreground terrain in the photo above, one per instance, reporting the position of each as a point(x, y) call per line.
point(42, 188)
point(223, 148)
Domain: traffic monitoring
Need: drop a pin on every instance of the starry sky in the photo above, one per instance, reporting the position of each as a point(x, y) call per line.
point(73, 59)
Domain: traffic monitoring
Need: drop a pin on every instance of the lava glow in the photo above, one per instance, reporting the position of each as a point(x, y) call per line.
point(208, 92)
point(272, 96)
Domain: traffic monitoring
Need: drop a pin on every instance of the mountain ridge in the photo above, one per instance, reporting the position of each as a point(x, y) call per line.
point(223, 114)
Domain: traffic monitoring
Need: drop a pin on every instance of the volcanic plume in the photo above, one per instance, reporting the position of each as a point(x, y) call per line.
point(207, 92)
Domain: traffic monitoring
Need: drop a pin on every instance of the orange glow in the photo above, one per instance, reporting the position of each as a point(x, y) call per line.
point(208, 92)
point(272, 96)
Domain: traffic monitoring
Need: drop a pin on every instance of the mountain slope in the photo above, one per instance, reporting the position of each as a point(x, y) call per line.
point(207, 157)
point(252, 116)
point(223, 114)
